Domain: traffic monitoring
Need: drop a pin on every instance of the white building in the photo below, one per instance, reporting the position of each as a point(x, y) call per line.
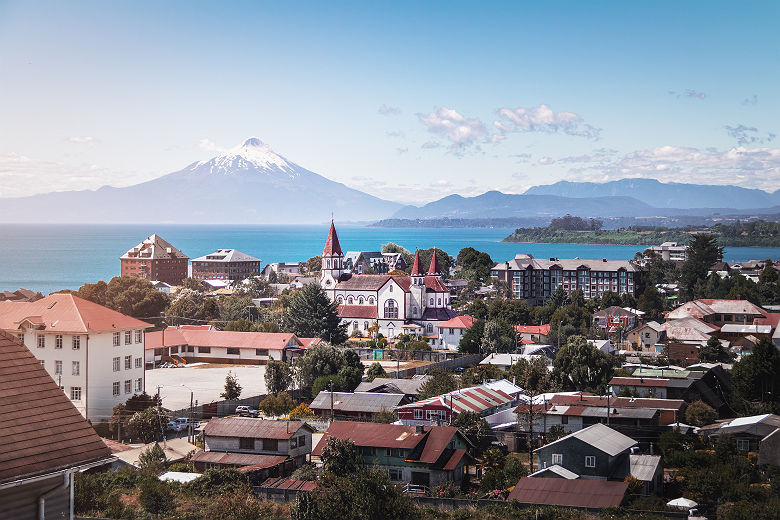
point(95, 354)
point(389, 300)
point(452, 331)
point(670, 251)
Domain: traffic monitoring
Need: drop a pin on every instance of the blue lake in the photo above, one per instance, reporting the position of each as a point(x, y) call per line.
point(51, 257)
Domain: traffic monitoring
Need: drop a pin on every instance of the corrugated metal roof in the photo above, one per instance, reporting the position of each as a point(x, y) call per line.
point(601, 437)
point(380, 435)
point(558, 470)
point(566, 492)
point(454, 460)
point(369, 402)
point(283, 483)
point(474, 399)
point(405, 386)
point(240, 459)
point(253, 428)
point(644, 467)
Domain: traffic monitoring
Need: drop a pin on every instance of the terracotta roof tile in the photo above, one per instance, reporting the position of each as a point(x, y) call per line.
point(357, 311)
point(458, 322)
point(218, 338)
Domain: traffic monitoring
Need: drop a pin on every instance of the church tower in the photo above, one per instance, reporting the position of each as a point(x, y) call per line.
point(434, 269)
point(418, 277)
point(332, 260)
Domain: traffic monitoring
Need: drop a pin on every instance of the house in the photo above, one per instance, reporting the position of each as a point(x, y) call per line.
point(536, 280)
point(287, 268)
point(450, 332)
point(408, 387)
point(288, 442)
point(185, 345)
point(20, 295)
point(376, 262)
point(670, 251)
point(95, 354)
point(504, 361)
point(603, 345)
point(670, 411)
point(485, 399)
point(719, 312)
point(612, 318)
point(162, 286)
point(533, 333)
point(46, 440)
point(648, 469)
point(155, 259)
point(597, 452)
point(646, 336)
point(418, 455)
point(391, 301)
point(709, 383)
point(749, 432)
point(355, 405)
point(225, 264)
point(562, 492)
point(689, 329)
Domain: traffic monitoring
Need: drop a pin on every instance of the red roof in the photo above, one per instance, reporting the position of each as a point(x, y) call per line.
point(416, 269)
point(544, 330)
point(240, 459)
point(219, 338)
point(432, 283)
point(357, 311)
point(41, 430)
point(573, 493)
point(309, 342)
point(458, 322)
point(380, 435)
point(706, 307)
point(434, 268)
point(283, 483)
point(332, 246)
point(454, 460)
point(65, 313)
point(772, 319)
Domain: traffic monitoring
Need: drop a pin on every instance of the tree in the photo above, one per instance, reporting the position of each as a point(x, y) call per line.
point(714, 352)
point(498, 337)
point(480, 374)
point(475, 265)
point(703, 253)
point(152, 458)
point(147, 425)
point(156, 497)
point(581, 366)
point(312, 314)
point(532, 375)
point(123, 412)
point(307, 471)
point(278, 376)
point(232, 388)
point(331, 382)
point(314, 265)
point(235, 307)
point(325, 360)
point(651, 302)
point(129, 295)
point(757, 377)
point(277, 405)
point(191, 307)
point(352, 377)
point(385, 416)
point(193, 285)
point(441, 382)
point(302, 411)
point(340, 457)
point(475, 428)
point(698, 413)
point(242, 325)
point(374, 371)
point(445, 260)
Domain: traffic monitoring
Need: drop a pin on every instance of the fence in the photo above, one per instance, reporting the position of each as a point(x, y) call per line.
point(464, 360)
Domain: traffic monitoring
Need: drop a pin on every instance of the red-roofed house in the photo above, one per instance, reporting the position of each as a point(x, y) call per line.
point(719, 312)
point(533, 333)
point(452, 331)
point(485, 399)
point(95, 354)
point(418, 455)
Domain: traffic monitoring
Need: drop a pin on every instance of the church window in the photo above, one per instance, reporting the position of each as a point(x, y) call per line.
point(391, 309)
point(355, 325)
point(391, 287)
point(340, 299)
point(361, 300)
point(350, 300)
point(431, 302)
point(365, 325)
point(414, 311)
point(371, 300)
point(429, 328)
point(439, 301)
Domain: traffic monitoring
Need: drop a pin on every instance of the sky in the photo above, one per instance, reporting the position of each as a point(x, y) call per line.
point(408, 101)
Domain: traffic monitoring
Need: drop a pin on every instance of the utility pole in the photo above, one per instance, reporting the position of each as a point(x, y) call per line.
point(331, 400)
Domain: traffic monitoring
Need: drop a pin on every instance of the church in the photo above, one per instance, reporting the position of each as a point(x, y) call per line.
point(413, 303)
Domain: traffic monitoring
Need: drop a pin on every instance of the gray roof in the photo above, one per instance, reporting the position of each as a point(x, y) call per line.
point(226, 255)
point(643, 467)
point(601, 437)
point(522, 261)
point(746, 329)
point(558, 470)
point(357, 401)
point(404, 386)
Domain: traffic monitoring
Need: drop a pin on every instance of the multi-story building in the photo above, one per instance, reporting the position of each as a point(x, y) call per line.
point(670, 251)
point(155, 259)
point(225, 264)
point(719, 312)
point(360, 262)
point(536, 279)
point(95, 354)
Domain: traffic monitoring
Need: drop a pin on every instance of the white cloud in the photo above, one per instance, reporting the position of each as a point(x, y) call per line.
point(82, 140)
point(688, 93)
point(546, 160)
point(543, 119)
point(460, 131)
point(430, 145)
point(389, 111)
point(209, 145)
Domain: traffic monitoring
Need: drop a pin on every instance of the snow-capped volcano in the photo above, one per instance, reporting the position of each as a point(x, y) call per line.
point(253, 153)
point(248, 184)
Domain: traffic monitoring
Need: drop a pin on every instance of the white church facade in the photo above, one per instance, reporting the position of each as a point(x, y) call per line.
point(397, 303)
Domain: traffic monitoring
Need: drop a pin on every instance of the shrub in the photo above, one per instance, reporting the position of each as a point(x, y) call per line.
point(276, 405)
point(302, 411)
point(156, 497)
point(214, 482)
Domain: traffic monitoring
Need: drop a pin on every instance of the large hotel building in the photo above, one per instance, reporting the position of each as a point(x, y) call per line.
point(536, 279)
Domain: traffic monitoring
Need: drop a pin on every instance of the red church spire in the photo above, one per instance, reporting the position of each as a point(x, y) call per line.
point(332, 246)
point(434, 268)
point(416, 270)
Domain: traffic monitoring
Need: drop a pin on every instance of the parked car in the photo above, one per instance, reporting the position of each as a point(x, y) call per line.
point(246, 411)
point(181, 423)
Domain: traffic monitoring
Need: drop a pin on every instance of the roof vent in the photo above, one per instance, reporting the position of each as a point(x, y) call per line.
point(419, 429)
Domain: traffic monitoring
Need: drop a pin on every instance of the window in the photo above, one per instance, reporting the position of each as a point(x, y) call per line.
point(590, 461)
point(395, 474)
point(431, 302)
point(439, 300)
point(246, 443)
point(369, 451)
point(128, 362)
point(557, 458)
point(139, 362)
point(75, 393)
point(361, 300)
point(139, 384)
point(41, 341)
point(350, 300)
point(58, 341)
point(371, 300)
point(270, 445)
point(138, 336)
point(391, 309)
point(76, 342)
point(365, 325)
point(340, 299)
point(128, 337)
point(58, 368)
point(564, 419)
point(743, 444)
point(174, 350)
point(395, 452)
point(115, 388)
point(204, 350)
point(128, 386)
point(116, 364)
point(418, 414)
point(429, 328)
point(391, 288)
point(261, 352)
point(293, 443)
point(116, 339)
point(301, 441)
point(75, 369)
point(233, 351)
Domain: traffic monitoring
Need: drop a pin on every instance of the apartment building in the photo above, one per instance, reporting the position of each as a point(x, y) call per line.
point(535, 279)
point(95, 354)
point(225, 264)
point(155, 259)
point(670, 251)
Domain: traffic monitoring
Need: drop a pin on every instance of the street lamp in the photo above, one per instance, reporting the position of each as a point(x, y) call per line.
point(190, 431)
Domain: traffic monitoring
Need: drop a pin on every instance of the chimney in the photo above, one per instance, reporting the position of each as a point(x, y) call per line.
point(419, 429)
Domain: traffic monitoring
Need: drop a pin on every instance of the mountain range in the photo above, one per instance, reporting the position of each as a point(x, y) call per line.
point(252, 184)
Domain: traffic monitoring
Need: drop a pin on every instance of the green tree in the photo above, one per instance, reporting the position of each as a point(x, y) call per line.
point(475, 265)
point(581, 366)
point(498, 337)
point(152, 458)
point(757, 377)
point(324, 360)
point(440, 382)
point(277, 405)
point(698, 413)
point(191, 307)
point(714, 352)
point(476, 428)
point(243, 325)
point(193, 285)
point(232, 388)
point(129, 295)
point(314, 265)
point(156, 497)
point(651, 302)
point(123, 412)
point(471, 341)
point(278, 376)
point(445, 260)
point(532, 374)
point(235, 307)
point(312, 314)
point(326, 383)
point(480, 374)
point(374, 371)
point(147, 425)
point(340, 457)
point(703, 253)
point(385, 416)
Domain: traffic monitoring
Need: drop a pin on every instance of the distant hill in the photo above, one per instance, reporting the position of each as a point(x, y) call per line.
point(250, 184)
point(665, 195)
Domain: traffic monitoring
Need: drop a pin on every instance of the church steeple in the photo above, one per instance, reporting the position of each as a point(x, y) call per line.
point(332, 259)
point(417, 273)
point(434, 270)
point(332, 246)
